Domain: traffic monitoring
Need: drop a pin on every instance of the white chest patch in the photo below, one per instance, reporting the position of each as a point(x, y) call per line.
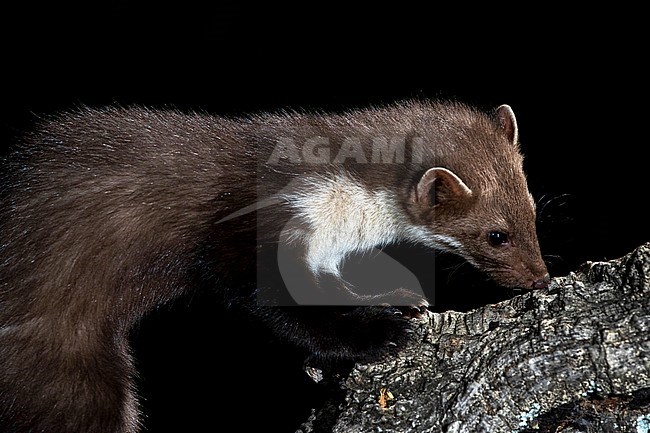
point(341, 217)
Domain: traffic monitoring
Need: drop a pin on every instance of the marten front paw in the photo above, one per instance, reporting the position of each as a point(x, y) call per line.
point(410, 303)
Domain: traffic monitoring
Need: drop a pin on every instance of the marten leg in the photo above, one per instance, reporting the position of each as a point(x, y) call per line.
point(341, 293)
point(66, 384)
point(326, 317)
point(332, 334)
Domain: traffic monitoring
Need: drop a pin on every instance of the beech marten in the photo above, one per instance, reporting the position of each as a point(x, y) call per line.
point(108, 213)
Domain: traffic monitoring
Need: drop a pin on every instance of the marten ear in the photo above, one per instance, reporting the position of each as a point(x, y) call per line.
point(439, 185)
point(508, 122)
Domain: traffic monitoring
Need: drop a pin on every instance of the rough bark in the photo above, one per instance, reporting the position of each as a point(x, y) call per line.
point(571, 358)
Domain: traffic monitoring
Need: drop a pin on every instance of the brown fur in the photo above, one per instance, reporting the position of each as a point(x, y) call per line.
point(108, 213)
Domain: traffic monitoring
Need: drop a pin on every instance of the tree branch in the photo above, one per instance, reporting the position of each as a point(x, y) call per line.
point(571, 358)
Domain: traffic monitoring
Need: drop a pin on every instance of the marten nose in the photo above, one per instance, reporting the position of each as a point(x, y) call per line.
point(542, 283)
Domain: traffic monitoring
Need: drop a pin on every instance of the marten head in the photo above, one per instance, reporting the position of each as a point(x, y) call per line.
point(476, 203)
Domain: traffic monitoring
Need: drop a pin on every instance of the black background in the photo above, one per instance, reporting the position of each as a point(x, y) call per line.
point(576, 82)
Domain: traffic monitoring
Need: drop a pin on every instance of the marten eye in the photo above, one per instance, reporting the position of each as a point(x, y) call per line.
point(497, 239)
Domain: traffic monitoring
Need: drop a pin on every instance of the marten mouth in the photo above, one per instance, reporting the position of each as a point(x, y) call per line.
point(510, 278)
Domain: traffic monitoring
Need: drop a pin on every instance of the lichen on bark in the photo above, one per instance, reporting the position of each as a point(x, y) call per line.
point(574, 357)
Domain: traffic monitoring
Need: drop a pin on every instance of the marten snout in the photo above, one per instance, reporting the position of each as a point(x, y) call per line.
point(538, 275)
